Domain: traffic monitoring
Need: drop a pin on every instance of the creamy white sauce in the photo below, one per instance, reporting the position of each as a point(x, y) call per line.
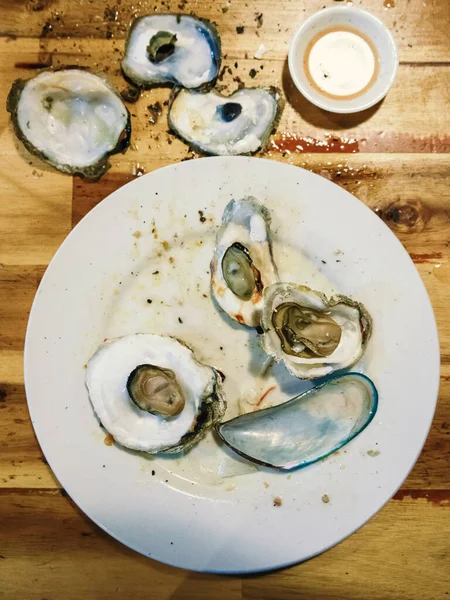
point(341, 63)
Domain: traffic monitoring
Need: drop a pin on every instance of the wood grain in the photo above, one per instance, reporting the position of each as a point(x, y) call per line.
point(387, 127)
point(421, 28)
point(394, 157)
point(48, 544)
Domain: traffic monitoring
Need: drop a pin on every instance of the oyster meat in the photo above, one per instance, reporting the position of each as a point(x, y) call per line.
point(172, 49)
point(313, 335)
point(308, 427)
point(243, 264)
point(151, 394)
point(225, 126)
point(70, 118)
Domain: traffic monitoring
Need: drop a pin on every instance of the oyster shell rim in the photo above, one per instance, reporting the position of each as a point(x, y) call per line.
point(271, 89)
point(211, 410)
point(330, 379)
point(143, 85)
point(92, 172)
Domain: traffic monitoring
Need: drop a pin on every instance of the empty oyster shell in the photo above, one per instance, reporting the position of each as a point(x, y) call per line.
point(306, 428)
point(172, 49)
point(243, 264)
point(70, 118)
point(151, 394)
point(314, 336)
point(225, 126)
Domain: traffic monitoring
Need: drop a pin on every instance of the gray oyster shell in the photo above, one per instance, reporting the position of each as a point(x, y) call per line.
point(225, 125)
point(71, 119)
point(190, 52)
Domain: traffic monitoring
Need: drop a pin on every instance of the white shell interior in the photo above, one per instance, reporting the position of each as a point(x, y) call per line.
point(72, 116)
point(191, 65)
point(247, 222)
point(195, 118)
point(347, 317)
point(106, 380)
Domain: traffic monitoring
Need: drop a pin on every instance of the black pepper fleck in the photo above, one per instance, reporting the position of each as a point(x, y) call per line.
point(240, 29)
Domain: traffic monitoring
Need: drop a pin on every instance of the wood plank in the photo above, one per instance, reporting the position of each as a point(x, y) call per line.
point(34, 219)
point(17, 287)
point(380, 561)
point(50, 549)
point(424, 127)
point(420, 28)
point(11, 366)
point(48, 542)
point(22, 464)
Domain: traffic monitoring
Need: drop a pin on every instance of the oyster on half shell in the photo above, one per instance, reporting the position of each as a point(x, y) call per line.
point(172, 49)
point(313, 335)
point(151, 393)
point(243, 264)
point(70, 118)
point(225, 125)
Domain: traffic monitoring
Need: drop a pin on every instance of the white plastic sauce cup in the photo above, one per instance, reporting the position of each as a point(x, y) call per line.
point(358, 20)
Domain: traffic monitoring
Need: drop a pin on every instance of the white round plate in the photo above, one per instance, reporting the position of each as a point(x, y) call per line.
point(153, 240)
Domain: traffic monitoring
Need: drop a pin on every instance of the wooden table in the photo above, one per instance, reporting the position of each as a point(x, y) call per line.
point(394, 157)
